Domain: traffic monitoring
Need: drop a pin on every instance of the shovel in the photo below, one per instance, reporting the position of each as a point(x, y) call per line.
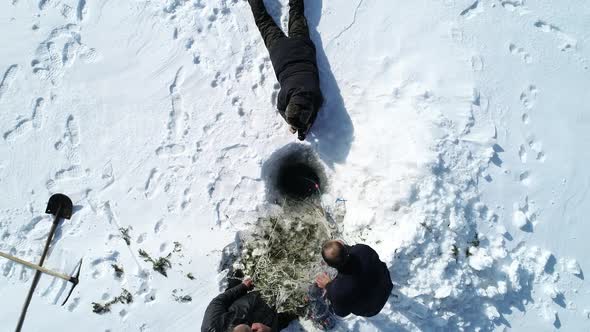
point(60, 206)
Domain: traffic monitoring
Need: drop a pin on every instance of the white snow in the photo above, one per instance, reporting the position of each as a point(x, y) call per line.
point(454, 132)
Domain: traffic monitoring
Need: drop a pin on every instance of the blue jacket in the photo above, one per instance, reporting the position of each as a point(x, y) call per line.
point(363, 286)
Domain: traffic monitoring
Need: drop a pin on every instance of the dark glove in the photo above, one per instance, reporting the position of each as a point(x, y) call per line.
point(300, 119)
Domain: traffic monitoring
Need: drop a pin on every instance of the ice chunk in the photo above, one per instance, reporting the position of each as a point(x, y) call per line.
point(519, 219)
point(480, 260)
point(491, 312)
point(502, 287)
point(491, 291)
point(544, 257)
point(498, 248)
point(443, 292)
point(501, 229)
point(552, 291)
point(572, 266)
point(513, 272)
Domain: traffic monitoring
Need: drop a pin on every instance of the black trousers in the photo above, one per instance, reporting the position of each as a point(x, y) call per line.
point(270, 31)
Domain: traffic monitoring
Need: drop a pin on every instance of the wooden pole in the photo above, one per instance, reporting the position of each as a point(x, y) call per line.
point(36, 267)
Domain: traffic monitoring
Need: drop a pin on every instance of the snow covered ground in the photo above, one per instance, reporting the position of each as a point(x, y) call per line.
point(455, 131)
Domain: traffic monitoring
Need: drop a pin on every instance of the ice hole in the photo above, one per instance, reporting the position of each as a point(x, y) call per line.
point(297, 180)
point(293, 172)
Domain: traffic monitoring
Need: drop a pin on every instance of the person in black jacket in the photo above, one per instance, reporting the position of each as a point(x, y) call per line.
point(294, 61)
point(237, 310)
point(362, 286)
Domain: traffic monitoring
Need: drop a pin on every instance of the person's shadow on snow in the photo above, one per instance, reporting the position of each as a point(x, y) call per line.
point(332, 133)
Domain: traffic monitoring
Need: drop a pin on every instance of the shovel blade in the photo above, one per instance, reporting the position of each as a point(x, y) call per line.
point(60, 206)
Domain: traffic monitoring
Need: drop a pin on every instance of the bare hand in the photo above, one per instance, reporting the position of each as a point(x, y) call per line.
point(248, 282)
point(322, 280)
point(259, 327)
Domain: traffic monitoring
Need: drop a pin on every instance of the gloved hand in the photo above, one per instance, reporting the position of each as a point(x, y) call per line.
point(300, 119)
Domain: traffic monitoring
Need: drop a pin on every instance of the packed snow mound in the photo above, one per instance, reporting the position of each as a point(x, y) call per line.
point(457, 270)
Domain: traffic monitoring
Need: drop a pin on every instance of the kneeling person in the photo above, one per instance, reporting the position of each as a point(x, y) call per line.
point(237, 310)
point(362, 286)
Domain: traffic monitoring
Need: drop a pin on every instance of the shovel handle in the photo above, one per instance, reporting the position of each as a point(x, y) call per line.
point(35, 267)
point(37, 276)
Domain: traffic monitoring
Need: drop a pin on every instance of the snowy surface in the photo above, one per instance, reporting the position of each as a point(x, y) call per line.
point(456, 131)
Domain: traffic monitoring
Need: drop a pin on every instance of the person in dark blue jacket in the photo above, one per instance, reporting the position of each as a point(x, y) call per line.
point(294, 61)
point(362, 286)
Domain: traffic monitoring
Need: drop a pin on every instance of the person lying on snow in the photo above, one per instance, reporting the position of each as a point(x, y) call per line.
point(238, 310)
point(362, 286)
point(294, 61)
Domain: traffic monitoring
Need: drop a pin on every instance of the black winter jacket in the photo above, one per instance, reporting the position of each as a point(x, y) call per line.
point(295, 64)
point(363, 286)
point(236, 306)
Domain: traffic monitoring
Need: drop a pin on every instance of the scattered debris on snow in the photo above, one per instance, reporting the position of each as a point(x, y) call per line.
point(119, 271)
point(124, 298)
point(125, 234)
point(181, 298)
point(161, 264)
